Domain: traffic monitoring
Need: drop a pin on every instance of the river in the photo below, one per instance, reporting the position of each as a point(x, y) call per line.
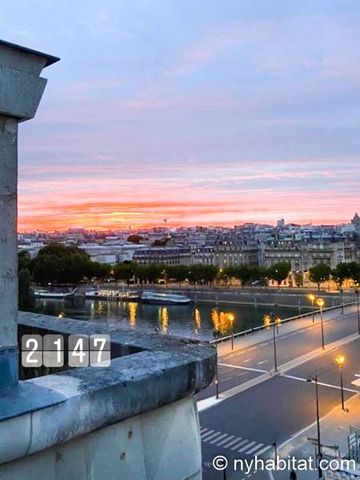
point(195, 321)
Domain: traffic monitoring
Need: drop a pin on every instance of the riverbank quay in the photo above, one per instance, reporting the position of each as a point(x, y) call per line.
point(266, 296)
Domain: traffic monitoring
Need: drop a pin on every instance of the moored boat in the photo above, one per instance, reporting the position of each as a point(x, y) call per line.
point(164, 298)
point(48, 294)
point(108, 294)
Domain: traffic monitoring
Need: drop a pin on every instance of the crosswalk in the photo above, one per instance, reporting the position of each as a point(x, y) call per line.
point(232, 442)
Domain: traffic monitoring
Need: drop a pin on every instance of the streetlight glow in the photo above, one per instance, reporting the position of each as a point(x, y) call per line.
point(312, 299)
point(340, 360)
point(320, 302)
point(231, 318)
point(267, 320)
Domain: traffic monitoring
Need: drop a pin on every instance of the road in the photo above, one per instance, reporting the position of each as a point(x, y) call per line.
point(247, 363)
point(248, 423)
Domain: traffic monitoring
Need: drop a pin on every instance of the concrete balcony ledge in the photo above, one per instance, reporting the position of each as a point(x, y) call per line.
point(153, 371)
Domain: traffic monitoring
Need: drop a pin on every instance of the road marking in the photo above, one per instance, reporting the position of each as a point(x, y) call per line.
point(225, 441)
point(243, 368)
point(253, 450)
point(228, 441)
point(265, 449)
point(229, 444)
point(209, 433)
point(246, 447)
point(219, 438)
point(237, 445)
point(300, 379)
point(211, 437)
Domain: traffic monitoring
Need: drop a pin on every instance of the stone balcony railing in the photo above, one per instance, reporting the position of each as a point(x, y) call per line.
point(136, 419)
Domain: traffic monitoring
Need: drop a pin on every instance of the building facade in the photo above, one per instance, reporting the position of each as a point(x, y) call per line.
point(163, 256)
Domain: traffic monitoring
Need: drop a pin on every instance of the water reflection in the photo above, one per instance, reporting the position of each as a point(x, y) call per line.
point(269, 319)
point(195, 321)
point(133, 307)
point(164, 319)
point(223, 322)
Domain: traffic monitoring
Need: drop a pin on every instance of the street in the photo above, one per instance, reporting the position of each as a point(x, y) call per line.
point(249, 422)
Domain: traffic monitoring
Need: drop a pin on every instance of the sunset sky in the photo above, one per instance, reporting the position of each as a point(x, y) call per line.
point(202, 112)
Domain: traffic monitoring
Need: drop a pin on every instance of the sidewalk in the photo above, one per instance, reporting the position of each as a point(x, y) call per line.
point(334, 428)
point(257, 337)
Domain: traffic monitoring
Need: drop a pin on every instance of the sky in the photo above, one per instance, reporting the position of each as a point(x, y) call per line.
point(200, 112)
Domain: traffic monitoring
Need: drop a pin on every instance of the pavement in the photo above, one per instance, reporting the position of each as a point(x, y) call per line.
point(334, 429)
point(278, 407)
point(287, 328)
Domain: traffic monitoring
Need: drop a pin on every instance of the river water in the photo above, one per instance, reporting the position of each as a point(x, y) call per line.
point(195, 321)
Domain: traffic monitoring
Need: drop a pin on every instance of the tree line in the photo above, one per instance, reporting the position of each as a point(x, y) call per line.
point(343, 271)
point(57, 264)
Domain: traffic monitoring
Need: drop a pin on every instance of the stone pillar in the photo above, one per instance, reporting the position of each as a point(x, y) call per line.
point(21, 89)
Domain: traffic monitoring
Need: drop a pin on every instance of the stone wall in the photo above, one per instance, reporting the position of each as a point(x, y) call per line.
point(162, 444)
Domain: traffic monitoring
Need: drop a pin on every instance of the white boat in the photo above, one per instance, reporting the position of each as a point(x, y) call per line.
point(108, 294)
point(47, 294)
point(164, 298)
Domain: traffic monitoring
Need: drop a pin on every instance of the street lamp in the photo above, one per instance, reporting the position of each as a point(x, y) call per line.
point(312, 298)
point(340, 360)
point(273, 323)
point(217, 383)
point(314, 380)
point(358, 309)
point(232, 318)
point(275, 452)
point(320, 302)
point(276, 318)
point(342, 300)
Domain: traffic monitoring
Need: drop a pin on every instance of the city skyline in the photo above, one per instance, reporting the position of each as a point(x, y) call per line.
point(165, 226)
point(247, 114)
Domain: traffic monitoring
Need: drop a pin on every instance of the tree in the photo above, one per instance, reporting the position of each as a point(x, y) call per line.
point(100, 271)
point(343, 271)
point(355, 272)
point(124, 271)
point(26, 295)
point(59, 264)
point(240, 272)
point(299, 279)
point(259, 274)
point(161, 242)
point(243, 273)
point(178, 273)
point(199, 273)
point(319, 274)
point(135, 239)
point(147, 273)
point(24, 260)
point(279, 272)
